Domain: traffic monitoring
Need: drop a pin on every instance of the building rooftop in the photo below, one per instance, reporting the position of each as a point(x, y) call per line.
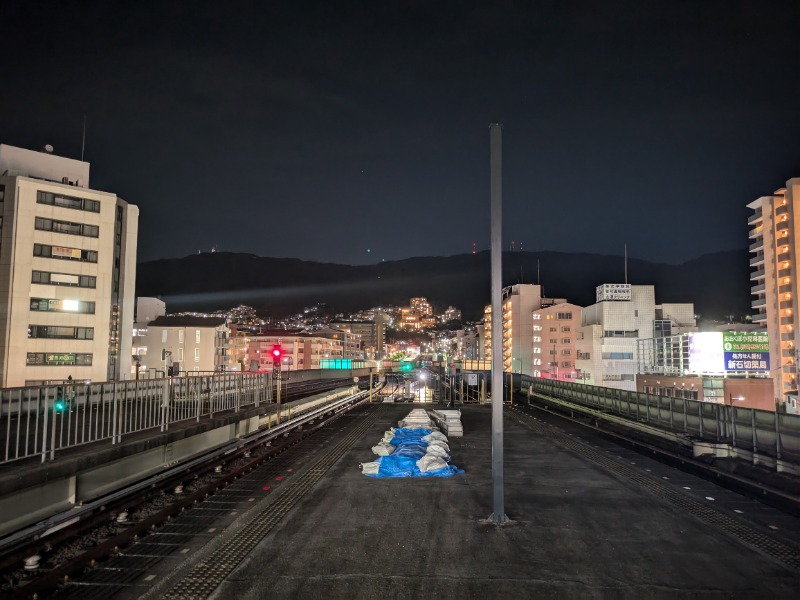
point(187, 322)
point(43, 165)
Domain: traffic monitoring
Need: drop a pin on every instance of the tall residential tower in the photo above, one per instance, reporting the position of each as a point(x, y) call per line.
point(67, 272)
point(773, 228)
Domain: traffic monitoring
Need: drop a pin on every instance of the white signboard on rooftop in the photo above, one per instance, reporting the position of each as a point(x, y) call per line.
point(613, 291)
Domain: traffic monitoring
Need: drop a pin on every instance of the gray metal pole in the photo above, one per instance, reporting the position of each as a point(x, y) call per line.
point(496, 184)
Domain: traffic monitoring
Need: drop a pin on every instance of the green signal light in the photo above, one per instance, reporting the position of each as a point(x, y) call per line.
point(60, 406)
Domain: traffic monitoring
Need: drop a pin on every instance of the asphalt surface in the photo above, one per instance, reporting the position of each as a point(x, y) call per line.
point(587, 520)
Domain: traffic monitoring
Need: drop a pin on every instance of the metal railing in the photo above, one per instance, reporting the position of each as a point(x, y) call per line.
point(38, 421)
point(762, 432)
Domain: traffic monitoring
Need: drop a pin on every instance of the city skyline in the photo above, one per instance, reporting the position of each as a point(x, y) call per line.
point(360, 134)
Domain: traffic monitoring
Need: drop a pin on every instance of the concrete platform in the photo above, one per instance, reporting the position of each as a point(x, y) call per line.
point(580, 527)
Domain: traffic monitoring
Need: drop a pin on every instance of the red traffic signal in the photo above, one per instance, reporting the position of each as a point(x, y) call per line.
point(276, 352)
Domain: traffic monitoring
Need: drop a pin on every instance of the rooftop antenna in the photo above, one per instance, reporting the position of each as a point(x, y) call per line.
point(83, 141)
point(626, 263)
point(538, 274)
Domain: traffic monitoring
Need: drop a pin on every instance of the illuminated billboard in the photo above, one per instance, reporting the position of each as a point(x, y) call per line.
point(746, 351)
point(719, 352)
point(705, 352)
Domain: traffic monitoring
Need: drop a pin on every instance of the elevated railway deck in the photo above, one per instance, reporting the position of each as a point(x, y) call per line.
point(589, 517)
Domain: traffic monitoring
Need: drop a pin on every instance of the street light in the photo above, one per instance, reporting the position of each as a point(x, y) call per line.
point(738, 398)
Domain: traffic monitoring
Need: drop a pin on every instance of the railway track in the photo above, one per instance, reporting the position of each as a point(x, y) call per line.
point(150, 525)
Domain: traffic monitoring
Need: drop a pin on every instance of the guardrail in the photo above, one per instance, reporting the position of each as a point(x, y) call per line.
point(37, 421)
point(761, 432)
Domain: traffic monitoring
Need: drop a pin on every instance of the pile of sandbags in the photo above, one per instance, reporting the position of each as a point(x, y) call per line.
point(417, 418)
point(449, 421)
point(411, 452)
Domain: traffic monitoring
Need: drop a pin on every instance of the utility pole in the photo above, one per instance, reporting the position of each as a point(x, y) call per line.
point(276, 375)
point(498, 515)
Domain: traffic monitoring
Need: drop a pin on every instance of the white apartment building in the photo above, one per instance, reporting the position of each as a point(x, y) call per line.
point(147, 309)
point(774, 225)
point(238, 345)
point(554, 342)
point(611, 328)
point(187, 344)
point(67, 272)
point(519, 303)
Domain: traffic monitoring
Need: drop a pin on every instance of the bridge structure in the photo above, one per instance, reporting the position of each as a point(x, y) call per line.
point(608, 492)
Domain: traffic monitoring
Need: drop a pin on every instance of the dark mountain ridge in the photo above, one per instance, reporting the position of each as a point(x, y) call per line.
point(718, 283)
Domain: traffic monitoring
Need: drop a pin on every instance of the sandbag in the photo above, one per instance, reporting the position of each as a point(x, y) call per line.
point(370, 468)
point(440, 444)
point(430, 463)
point(439, 452)
point(383, 449)
point(435, 435)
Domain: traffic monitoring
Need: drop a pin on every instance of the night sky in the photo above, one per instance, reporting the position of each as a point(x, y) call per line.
point(319, 130)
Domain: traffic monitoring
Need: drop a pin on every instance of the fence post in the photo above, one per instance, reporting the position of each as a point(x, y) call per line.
point(700, 415)
point(237, 391)
point(53, 433)
point(733, 425)
point(778, 434)
point(658, 410)
point(114, 415)
point(685, 418)
point(755, 437)
point(198, 396)
point(44, 427)
point(164, 403)
point(671, 408)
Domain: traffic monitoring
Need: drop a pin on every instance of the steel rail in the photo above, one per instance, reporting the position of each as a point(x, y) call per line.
point(38, 537)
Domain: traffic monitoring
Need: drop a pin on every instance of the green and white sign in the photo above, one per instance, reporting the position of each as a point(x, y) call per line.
point(733, 341)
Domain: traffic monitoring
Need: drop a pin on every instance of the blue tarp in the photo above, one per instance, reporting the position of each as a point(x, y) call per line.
point(409, 448)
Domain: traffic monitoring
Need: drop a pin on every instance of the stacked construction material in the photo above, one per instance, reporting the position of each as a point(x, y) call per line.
point(417, 418)
point(449, 421)
point(411, 452)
